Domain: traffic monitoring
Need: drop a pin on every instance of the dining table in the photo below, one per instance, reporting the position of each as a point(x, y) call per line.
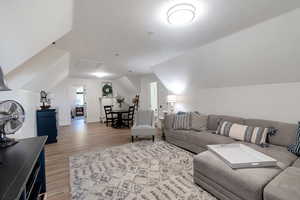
point(119, 122)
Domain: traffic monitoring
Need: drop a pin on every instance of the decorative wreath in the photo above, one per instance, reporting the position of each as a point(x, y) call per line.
point(107, 90)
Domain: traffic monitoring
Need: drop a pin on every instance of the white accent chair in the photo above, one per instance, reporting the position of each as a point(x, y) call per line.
point(143, 125)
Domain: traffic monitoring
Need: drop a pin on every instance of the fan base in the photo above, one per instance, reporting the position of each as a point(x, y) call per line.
point(7, 142)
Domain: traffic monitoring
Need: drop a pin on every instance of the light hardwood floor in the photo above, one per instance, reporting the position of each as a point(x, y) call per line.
point(75, 139)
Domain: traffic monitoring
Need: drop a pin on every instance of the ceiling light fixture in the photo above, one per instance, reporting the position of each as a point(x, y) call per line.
point(181, 14)
point(100, 74)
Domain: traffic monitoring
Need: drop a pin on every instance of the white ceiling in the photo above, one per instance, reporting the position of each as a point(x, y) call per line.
point(267, 53)
point(136, 31)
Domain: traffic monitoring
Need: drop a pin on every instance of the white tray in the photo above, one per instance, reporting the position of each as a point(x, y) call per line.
point(241, 156)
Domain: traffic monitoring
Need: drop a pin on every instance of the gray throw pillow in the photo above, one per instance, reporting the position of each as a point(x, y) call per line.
point(182, 121)
point(198, 122)
point(295, 148)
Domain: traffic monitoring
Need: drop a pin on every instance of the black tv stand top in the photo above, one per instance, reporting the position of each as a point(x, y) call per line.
point(17, 163)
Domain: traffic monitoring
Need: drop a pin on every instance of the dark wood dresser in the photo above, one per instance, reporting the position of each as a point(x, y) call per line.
point(47, 124)
point(22, 170)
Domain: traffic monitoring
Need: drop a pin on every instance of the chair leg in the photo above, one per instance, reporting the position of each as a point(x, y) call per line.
point(153, 138)
point(132, 139)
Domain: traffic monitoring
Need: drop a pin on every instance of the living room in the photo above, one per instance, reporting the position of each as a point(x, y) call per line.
point(180, 99)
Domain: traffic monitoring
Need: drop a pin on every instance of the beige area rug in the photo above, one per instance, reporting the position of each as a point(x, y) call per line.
point(138, 171)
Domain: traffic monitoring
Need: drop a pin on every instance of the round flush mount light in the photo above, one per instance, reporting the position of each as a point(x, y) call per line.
point(181, 14)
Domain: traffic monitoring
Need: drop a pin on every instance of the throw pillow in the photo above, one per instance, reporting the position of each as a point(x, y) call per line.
point(256, 135)
point(224, 128)
point(295, 148)
point(198, 122)
point(182, 121)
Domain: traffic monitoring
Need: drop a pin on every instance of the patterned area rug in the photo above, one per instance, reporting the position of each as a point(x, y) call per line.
point(138, 171)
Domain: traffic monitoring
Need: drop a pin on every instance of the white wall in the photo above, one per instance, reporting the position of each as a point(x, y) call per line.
point(62, 99)
point(29, 26)
point(136, 81)
point(124, 87)
point(41, 72)
point(145, 102)
point(254, 70)
point(278, 102)
point(30, 101)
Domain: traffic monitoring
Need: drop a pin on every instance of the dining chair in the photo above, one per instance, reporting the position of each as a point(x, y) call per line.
point(143, 125)
point(128, 118)
point(108, 115)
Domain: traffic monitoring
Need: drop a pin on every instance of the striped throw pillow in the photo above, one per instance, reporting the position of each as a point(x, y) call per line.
point(295, 148)
point(256, 135)
point(182, 121)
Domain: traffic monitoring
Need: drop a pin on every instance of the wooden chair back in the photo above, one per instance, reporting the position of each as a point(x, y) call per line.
point(131, 112)
point(107, 110)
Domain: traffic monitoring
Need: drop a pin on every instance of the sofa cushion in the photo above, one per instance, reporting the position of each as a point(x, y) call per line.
point(285, 186)
point(214, 120)
point(198, 122)
point(205, 138)
point(178, 134)
point(285, 135)
point(297, 163)
point(281, 154)
point(247, 184)
point(169, 120)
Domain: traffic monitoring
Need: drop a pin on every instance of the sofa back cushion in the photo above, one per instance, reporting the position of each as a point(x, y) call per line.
point(198, 122)
point(169, 121)
point(214, 120)
point(285, 132)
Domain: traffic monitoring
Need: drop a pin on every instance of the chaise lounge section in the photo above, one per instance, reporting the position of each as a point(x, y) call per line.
point(212, 174)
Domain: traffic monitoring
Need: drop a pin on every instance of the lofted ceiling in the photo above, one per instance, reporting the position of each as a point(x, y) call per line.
point(267, 53)
point(116, 36)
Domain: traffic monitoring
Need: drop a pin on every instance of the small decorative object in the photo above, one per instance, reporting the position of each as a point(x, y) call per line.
point(3, 86)
point(44, 100)
point(120, 100)
point(107, 90)
point(135, 101)
point(12, 117)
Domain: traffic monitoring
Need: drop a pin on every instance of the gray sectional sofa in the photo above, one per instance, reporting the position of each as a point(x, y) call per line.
point(212, 174)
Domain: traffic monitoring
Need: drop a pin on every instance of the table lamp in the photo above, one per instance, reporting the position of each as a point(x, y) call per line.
point(3, 86)
point(171, 100)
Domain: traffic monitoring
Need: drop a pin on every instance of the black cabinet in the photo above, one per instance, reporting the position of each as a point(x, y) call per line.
point(22, 170)
point(47, 124)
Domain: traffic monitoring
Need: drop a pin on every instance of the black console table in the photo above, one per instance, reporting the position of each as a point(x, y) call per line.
point(22, 170)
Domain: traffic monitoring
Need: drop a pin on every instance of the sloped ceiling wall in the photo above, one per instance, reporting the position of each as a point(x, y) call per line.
point(42, 72)
point(27, 27)
point(126, 86)
point(263, 54)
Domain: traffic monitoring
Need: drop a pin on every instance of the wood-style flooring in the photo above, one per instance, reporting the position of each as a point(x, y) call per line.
point(77, 138)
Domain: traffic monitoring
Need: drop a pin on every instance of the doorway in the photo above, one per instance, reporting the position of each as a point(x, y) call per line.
point(79, 105)
point(154, 100)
